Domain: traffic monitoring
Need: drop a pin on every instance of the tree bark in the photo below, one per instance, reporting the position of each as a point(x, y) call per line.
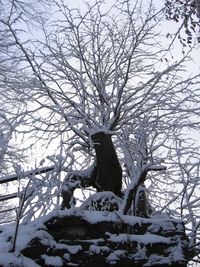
point(131, 197)
point(105, 175)
point(109, 171)
point(141, 205)
point(75, 180)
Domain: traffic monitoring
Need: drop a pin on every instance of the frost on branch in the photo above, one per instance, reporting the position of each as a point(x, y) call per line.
point(92, 74)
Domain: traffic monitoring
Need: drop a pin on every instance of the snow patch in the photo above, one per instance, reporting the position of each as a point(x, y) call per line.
point(156, 259)
point(143, 239)
point(98, 249)
point(140, 254)
point(115, 256)
point(98, 216)
point(10, 259)
point(52, 261)
point(73, 249)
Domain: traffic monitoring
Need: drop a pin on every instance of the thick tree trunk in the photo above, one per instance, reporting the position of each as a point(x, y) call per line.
point(104, 175)
point(109, 171)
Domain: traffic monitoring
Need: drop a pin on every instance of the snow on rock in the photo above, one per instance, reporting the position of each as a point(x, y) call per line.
point(102, 201)
point(72, 237)
point(166, 226)
point(73, 249)
point(10, 259)
point(98, 249)
point(52, 261)
point(94, 217)
point(141, 239)
point(115, 256)
point(156, 259)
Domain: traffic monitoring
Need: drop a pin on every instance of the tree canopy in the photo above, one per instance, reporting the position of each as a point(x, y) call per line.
point(97, 86)
point(187, 14)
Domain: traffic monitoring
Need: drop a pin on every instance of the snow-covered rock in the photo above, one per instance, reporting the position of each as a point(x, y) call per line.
point(85, 238)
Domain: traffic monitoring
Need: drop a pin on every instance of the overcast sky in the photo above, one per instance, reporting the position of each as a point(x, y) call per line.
point(171, 27)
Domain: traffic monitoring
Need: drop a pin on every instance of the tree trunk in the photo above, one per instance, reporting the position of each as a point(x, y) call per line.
point(109, 171)
point(104, 175)
point(135, 200)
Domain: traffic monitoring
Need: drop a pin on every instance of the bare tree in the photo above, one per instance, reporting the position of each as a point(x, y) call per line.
point(97, 78)
point(187, 14)
point(13, 80)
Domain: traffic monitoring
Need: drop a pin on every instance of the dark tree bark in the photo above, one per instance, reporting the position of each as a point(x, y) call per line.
point(140, 205)
point(109, 171)
point(75, 180)
point(105, 174)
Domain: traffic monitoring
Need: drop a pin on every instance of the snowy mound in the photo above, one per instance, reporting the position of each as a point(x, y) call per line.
point(95, 238)
point(102, 201)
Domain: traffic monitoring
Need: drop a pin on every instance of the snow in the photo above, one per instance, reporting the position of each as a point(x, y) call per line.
point(86, 172)
point(73, 249)
point(176, 253)
point(140, 254)
point(165, 227)
point(103, 201)
point(28, 232)
point(10, 259)
point(98, 249)
point(155, 259)
point(97, 216)
point(94, 241)
point(66, 256)
point(115, 256)
point(143, 239)
point(37, 229)
point(52, 260)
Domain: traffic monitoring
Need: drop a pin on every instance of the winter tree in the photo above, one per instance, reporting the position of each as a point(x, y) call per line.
point(187, 13)
point(97, 83)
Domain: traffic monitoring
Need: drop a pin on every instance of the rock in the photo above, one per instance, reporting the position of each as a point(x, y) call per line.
point(98, 239)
